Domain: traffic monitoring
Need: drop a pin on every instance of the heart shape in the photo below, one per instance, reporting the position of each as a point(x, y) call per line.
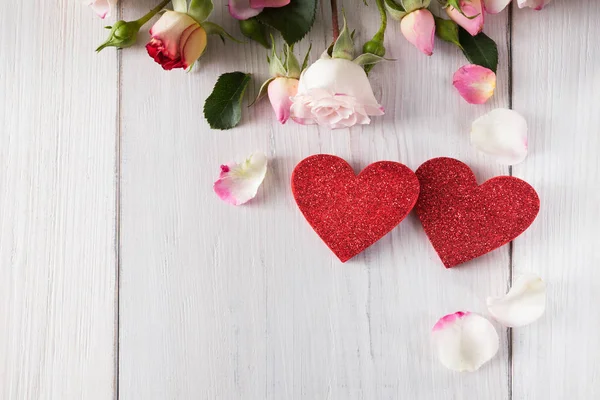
point(464, 220)
point(351, 212)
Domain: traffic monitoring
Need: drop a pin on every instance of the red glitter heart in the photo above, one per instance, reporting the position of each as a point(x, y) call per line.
point(463, 220)
point(351, 212)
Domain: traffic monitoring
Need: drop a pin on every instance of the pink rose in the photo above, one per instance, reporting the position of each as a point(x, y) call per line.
point(418, 27)
point(335, 93)
point(101, 7)
point(471, 8)
point(280, 91)
point(177, 41)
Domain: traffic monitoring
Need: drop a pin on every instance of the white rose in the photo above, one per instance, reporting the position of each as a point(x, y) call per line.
point(336, 93)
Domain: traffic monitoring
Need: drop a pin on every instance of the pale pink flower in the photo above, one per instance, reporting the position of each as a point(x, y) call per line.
point(465, 341)
point(535, 4)
point(501, 134)
point(239, 183)
point(476, 84)
point(471, 8)
point(524, 303)
point(335, 93)
point(280, 91)
point(177, 40)
point(101, 7)
point(418, 28)
point(495, 6)
point(244, 9)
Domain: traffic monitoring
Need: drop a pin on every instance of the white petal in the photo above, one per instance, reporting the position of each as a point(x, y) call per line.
point(524, 303)
point(239, 183)
point(465, 341)
point(501, 133)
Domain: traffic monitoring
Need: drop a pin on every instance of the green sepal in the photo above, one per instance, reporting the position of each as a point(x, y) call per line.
point(305, 62)
point(344, 45)
point(455, 4)
point(395, 10)
point(180, 6)
point(213, 29)
point(276, 66)
point(200, 10)
point(368, 59)
point(292, 66)
point(447, 30)
point(262, 91)
point(412, 5)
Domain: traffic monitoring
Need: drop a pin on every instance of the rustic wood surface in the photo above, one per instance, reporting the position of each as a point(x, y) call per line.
point(123, 276)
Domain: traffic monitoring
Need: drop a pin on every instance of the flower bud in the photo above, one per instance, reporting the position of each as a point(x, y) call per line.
point(418, 27)
point(374, 46)
point(254, 30)
point(122, 34)
point(280, 91)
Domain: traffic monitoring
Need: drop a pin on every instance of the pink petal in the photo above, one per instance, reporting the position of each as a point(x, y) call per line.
point(465, 341)
point(239, 183)
point(471, 8)
point(476, 84)
point(418, 28)
point(101, 7)
point(280, 92)
point(268, 3)
point(495, 6)
point(241, 9)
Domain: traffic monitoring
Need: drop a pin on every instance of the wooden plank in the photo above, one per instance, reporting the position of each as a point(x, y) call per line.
point(556, 87)
point(219, 302)
point(57, 203)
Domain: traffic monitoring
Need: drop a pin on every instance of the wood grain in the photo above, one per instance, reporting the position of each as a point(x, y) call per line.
point(557, 88)
point(57, 197)
point(219, 302)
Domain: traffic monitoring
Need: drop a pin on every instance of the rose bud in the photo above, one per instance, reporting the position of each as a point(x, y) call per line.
point(122, 34)
point(472, 20)
point(418, 27)
point(280, 91)
point(177, 41)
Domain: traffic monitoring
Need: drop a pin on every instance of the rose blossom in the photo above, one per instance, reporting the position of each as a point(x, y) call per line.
point(177, 40)
point(280, 91)
point(336, 93)
point(474, 19)
point(101, 7)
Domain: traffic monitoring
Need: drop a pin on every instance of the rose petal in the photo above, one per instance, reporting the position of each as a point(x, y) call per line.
point(501, 133)
point(465, 341)
point(471, 8)
point(101, 7)
point(476, 84)
point(241, 9)
point(418, 28)
point(268, 3)
point(495, 6)
point(239, 183)
point(535, 4)
point(524, 303)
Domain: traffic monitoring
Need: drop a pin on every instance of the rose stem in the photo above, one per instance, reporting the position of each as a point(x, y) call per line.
point(334, 20)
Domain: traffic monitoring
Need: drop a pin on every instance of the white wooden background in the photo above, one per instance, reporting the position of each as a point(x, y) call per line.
point(123, 276)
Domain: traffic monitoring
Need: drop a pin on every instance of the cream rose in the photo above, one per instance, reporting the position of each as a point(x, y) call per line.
point(336, 93)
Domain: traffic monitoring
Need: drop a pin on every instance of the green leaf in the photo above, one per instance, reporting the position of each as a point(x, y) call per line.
point(447, 30)
point(480, 49)
point(293, 21)
point(223, 108)
point(200, 9)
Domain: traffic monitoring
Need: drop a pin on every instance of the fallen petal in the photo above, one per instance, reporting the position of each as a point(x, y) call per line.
point(495, 6)
point(476, 84)
point(465, 341)
point(239, 183)
point(524, 303)
point(501, 133)
point(535, 4)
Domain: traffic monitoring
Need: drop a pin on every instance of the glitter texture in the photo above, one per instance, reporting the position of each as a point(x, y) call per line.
point(463, 220)
point(351, 212)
